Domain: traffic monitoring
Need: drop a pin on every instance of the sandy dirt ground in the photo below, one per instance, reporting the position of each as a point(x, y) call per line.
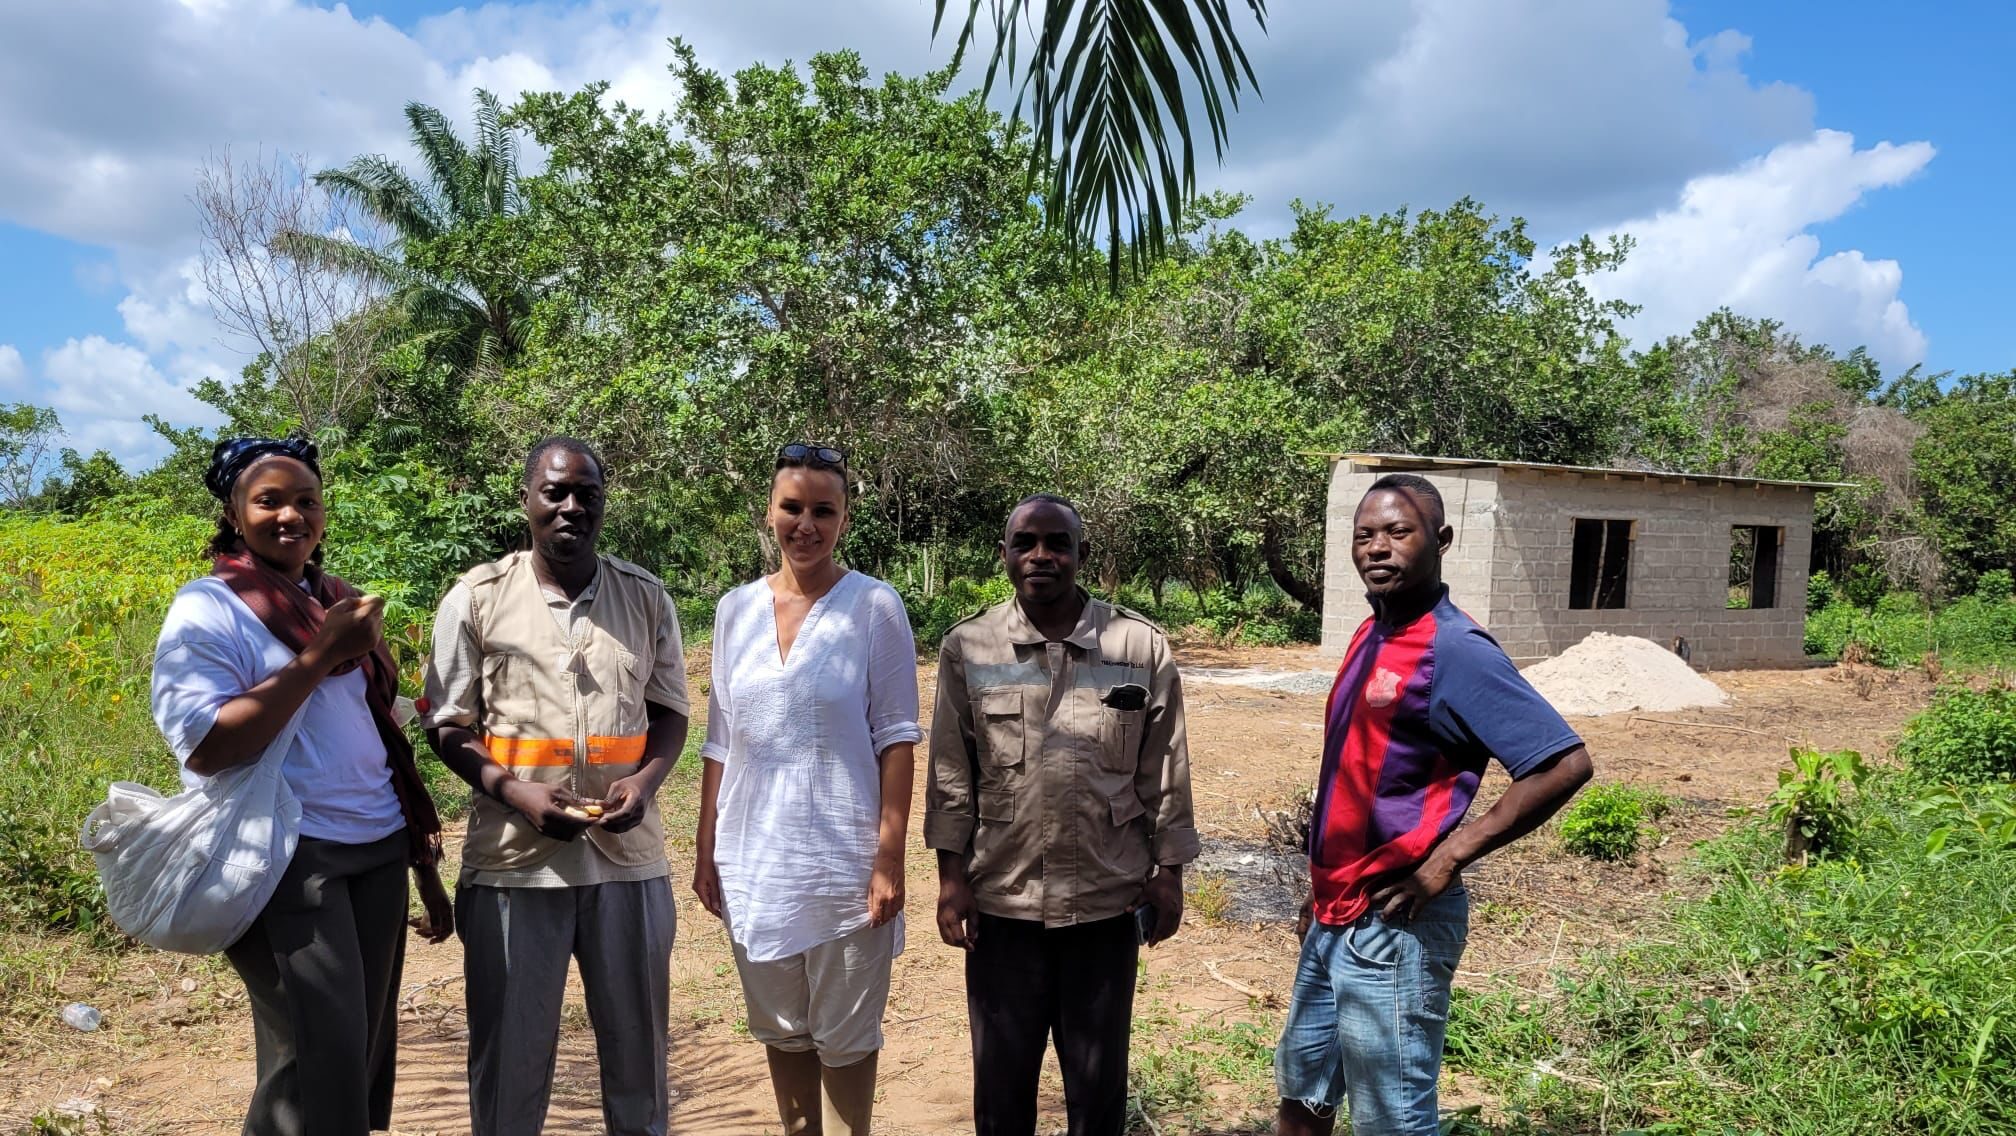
point(175, 1053)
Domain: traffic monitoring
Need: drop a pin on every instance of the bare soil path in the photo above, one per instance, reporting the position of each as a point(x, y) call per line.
point(175, 1053)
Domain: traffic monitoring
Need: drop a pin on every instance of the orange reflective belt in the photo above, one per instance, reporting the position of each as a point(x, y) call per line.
point(521, 753)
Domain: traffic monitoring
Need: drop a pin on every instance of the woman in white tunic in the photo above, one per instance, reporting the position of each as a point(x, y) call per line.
point(805, 799)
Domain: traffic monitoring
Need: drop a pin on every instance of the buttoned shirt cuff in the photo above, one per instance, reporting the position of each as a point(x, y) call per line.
point(1176, 846)
point(952, 832)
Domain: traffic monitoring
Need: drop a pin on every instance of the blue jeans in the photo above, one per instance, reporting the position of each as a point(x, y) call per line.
point(1370, 1007)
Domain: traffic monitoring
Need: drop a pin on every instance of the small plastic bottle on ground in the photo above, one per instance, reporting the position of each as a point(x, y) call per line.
point(77, 1015)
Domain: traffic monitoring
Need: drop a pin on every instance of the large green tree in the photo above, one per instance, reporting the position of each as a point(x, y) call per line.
point(28, 438)
point(789, 255)
point(1741, 395)
point(1966, 468)
point(1201, 423)
point(449, 272)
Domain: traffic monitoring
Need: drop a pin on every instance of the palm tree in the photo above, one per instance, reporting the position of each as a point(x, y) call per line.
point(475, 320)
point(1104, 113)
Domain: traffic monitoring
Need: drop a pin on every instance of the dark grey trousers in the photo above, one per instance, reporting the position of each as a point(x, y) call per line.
point(515, 945)
point(1028, 986)
point(321, 965)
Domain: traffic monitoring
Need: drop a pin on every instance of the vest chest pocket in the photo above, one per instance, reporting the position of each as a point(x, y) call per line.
point(1000, 727)
point(633, 678)
point(1120, 739)
point(510, 688)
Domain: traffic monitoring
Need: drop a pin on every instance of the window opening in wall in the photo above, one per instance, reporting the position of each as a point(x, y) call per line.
point(1601, 565)
point(1753, 565)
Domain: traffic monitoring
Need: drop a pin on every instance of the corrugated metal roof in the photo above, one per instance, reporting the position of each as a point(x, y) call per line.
point(1417, 462)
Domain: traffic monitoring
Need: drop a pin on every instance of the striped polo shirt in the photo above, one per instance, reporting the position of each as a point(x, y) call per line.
point(1414, 716)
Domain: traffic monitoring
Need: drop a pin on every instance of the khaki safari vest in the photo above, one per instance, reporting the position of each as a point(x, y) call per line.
point(561, 712)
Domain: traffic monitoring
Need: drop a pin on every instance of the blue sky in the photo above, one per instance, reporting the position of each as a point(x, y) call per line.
point(1841, 166)
point(1940, 72)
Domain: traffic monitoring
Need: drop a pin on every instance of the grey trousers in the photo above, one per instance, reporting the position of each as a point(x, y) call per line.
point(321, 967)
point(515, 946)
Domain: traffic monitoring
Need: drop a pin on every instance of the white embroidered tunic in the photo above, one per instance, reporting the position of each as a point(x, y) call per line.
point(798, 738)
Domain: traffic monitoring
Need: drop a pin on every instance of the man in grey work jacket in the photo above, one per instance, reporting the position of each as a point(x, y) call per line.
point(1059, 803)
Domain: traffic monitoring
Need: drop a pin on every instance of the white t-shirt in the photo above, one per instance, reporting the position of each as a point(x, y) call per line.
point(800, 808)
point(213, 649)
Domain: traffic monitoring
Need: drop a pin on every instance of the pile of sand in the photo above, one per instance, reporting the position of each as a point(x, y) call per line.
point(1608, 674)
point(1287, 682)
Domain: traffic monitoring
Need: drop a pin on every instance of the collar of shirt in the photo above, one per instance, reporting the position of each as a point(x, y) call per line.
point(1379, 612)
point(556, 598)
point(1085, 635)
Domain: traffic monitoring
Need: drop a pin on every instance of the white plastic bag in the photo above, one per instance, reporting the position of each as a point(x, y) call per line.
point(191, 872)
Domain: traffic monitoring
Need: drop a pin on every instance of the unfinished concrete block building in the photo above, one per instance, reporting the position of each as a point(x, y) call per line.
point(1546, 554)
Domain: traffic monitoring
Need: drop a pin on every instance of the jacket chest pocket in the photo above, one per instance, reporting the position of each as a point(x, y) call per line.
point(1119, 746)
point(1001, 727)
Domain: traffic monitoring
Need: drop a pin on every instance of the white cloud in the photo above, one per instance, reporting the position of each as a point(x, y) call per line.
point(1566, 112)
point(13, 372)
point(94, 376)
point(102, 390)
point(111, 105)
point(1572, 113)
point(1743, 239)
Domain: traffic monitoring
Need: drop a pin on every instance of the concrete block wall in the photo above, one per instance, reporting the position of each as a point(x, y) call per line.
point(1511, 562)
point(1678, 578)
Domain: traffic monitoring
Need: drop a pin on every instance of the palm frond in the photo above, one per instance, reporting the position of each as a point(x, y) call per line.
point(447, 159)
point(347, 258)
point(497, 155)
point(377, 185)
point(1110, 111)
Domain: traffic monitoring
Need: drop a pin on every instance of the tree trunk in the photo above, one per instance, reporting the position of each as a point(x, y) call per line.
point(1298, 590)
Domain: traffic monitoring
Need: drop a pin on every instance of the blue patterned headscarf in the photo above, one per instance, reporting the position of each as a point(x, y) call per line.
point(233, 456)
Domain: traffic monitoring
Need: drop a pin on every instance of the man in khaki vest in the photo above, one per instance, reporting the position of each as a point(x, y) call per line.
point(557, 689)
point(1059, 804)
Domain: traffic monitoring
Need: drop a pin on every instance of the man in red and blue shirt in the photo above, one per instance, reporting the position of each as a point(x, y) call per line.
point(1424, 700)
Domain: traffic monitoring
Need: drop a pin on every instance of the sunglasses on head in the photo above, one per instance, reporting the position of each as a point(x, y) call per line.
point(806, 451)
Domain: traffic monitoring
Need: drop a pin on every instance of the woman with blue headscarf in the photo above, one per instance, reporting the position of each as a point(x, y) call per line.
point(265, 636)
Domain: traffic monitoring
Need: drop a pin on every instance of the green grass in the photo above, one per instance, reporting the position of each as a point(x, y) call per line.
point(1856, 997)
point(1181, 1076)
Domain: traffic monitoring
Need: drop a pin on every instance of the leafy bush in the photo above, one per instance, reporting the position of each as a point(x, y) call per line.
point(1966, 737)
point(1819, 591)
point(1865, 995)
point(81, 601)
point(1890, 635)
point(1864, 586)
point(1996, 585)
point(1968, 820)
point(1977, 631)
point(1809, 804)
point(1262, 616)
point(933, 615)
point(1607, 821)
point(403, 532)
